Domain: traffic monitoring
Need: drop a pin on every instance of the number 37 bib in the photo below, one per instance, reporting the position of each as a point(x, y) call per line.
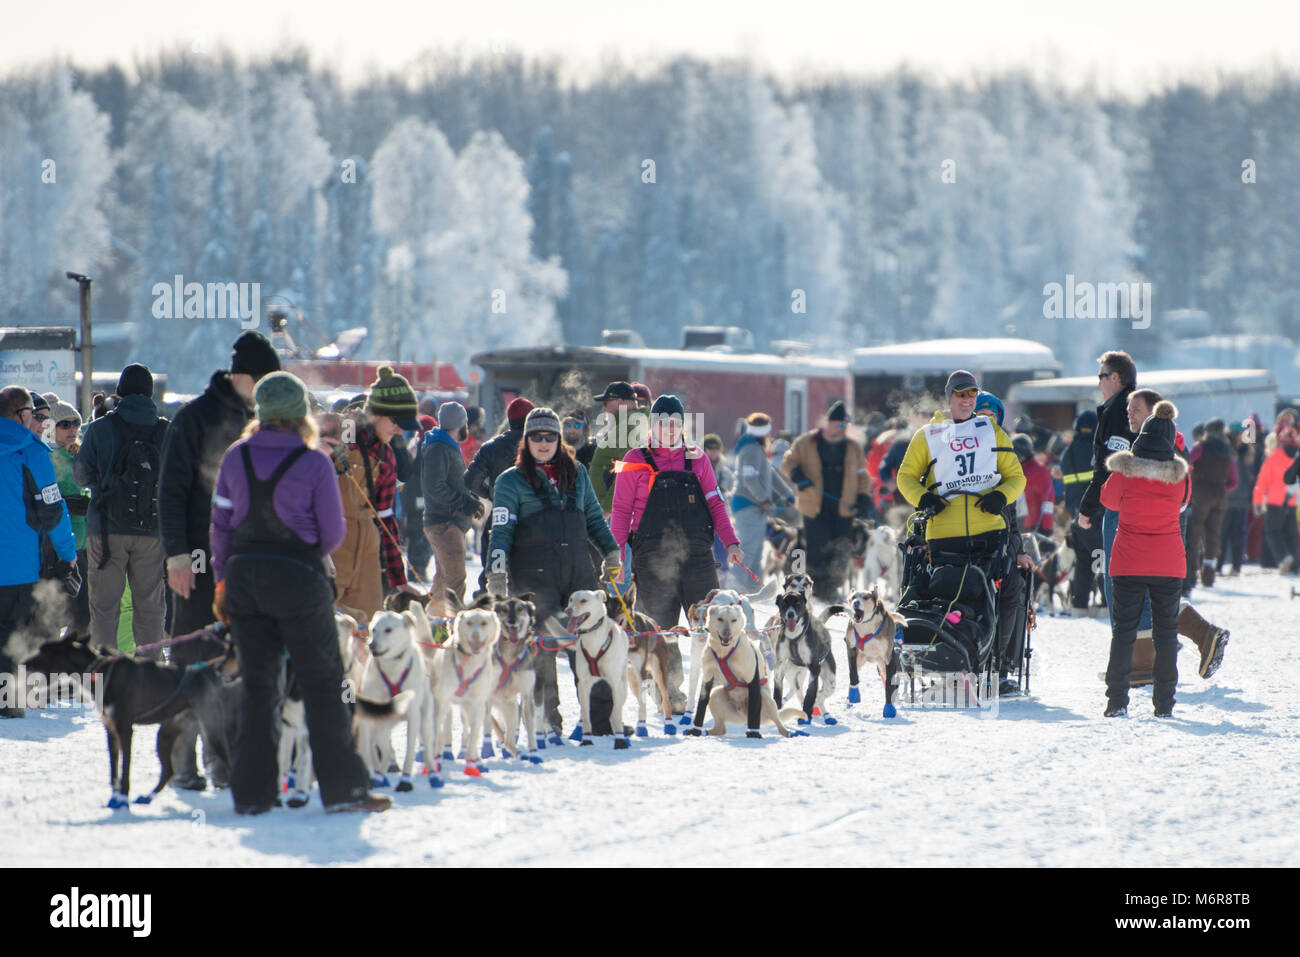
point(964, 456)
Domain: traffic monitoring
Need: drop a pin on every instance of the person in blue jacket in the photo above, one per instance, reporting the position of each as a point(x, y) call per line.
point(30, 503)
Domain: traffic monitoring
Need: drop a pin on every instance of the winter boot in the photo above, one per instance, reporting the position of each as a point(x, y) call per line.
point(1144, 660)
point(1212, 653)
point(1207, 573)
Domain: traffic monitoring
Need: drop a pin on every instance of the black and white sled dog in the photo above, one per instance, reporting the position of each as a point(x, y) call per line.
point(396, 665)
point(130, 692)
point(295, 746)
point(1054, 562)
point(601, 666)
point(516, 693)
point(803, 654)
point(869, 639)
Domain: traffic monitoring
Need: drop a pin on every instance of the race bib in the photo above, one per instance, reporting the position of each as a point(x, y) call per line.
point(500, 516)
point(1117, 443)
point(964, 456)
point(51, 494)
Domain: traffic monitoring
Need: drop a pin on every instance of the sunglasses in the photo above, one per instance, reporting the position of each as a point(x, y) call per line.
point(67, 424)
point(27, 408)
point(966, 393)
point(543, 437)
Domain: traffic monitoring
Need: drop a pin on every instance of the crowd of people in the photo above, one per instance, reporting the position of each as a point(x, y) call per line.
point(169, 524)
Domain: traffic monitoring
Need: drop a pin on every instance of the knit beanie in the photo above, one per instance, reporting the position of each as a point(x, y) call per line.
point(668, 405)
point(517, 411)
point(1156, 440)
point(837, 412)
point(392, 395)
point(1023, 445)
point(280, 395)
point(62, 412)
point(451, 417)
point(254, 355)
point(542, 419)
point(989, 401)
point(427, 422)
point(135, 380)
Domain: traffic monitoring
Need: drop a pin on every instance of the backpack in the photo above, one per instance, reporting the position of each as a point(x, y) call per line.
point(129, 495)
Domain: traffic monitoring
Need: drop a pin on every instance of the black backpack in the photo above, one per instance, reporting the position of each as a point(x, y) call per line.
point(129, 496)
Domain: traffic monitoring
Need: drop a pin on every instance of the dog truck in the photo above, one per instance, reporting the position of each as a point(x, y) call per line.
point(716, 373)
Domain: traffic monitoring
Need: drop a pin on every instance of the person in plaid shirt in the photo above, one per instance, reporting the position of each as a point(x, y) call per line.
point(368, 477)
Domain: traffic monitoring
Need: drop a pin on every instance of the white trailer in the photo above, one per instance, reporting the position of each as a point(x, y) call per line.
point(1200, 394)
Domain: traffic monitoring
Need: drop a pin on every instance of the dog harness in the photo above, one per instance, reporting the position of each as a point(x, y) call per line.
point(460, 676)
point(732, 681)
point(393, 688)
point(593, 663)
point(508, 671)
point(859, 642)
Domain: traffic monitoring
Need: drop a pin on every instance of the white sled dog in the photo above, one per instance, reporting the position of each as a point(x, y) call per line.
point(601, 664)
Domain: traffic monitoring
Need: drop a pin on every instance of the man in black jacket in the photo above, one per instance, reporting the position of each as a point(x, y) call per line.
point(200, 435)
point(1076, 474)
point(1117, 378)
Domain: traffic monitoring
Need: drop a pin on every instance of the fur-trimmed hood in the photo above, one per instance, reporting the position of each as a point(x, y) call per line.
point(1130, 466)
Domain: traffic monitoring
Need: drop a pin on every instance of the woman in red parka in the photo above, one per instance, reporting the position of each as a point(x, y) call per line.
point(1148, 486)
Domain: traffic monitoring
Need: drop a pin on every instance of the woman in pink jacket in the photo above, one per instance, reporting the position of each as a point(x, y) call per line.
point(667, 508)
point(1148, 486)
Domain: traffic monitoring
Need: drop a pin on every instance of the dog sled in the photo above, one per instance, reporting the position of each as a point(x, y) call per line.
point(950, 602)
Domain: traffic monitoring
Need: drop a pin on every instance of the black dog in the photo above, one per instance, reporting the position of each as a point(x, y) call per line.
point(803, 647)
point(132, 692)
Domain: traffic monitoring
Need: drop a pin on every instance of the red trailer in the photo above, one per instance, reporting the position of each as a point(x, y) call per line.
point(723, 386)
point(357, 375)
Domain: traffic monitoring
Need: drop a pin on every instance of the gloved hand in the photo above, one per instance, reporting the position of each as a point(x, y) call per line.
point(498, 584)
point(992, 502)
point(70, 575)
point(799, 478)
point(612, 570)
point(936, 503)
point(479, 510)
point(77, 504)
point(219, 603)
point(1260, 508)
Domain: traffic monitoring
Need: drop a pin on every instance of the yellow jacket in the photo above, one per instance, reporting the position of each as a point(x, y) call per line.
point(962, 517)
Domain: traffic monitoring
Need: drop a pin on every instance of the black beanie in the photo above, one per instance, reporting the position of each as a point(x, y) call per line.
point(254, 355)
point(135, 380)
point(1156, 440)
point(668, 405)
point(837, 412)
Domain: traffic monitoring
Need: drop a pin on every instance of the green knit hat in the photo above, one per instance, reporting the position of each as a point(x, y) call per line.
point(392, 395)
point(280, 395)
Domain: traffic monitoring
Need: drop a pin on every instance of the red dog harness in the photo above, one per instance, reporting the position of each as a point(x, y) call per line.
point(464, 682)
point(732, 681)
point(860, 642)
point(393, 689)
point(593, 663)
point(508, 671)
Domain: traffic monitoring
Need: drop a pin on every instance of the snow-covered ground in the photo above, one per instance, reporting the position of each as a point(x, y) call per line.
point(1045, 781)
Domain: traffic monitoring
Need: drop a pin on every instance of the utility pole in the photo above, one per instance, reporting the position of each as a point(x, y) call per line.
point(86, 349)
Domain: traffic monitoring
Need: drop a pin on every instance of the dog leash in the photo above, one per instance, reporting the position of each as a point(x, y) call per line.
point(218, 635)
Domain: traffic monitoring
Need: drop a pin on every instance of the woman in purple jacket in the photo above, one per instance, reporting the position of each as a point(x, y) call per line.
point(276, 515)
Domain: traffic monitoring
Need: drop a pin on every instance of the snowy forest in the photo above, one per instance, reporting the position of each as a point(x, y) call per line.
point(469, 203)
